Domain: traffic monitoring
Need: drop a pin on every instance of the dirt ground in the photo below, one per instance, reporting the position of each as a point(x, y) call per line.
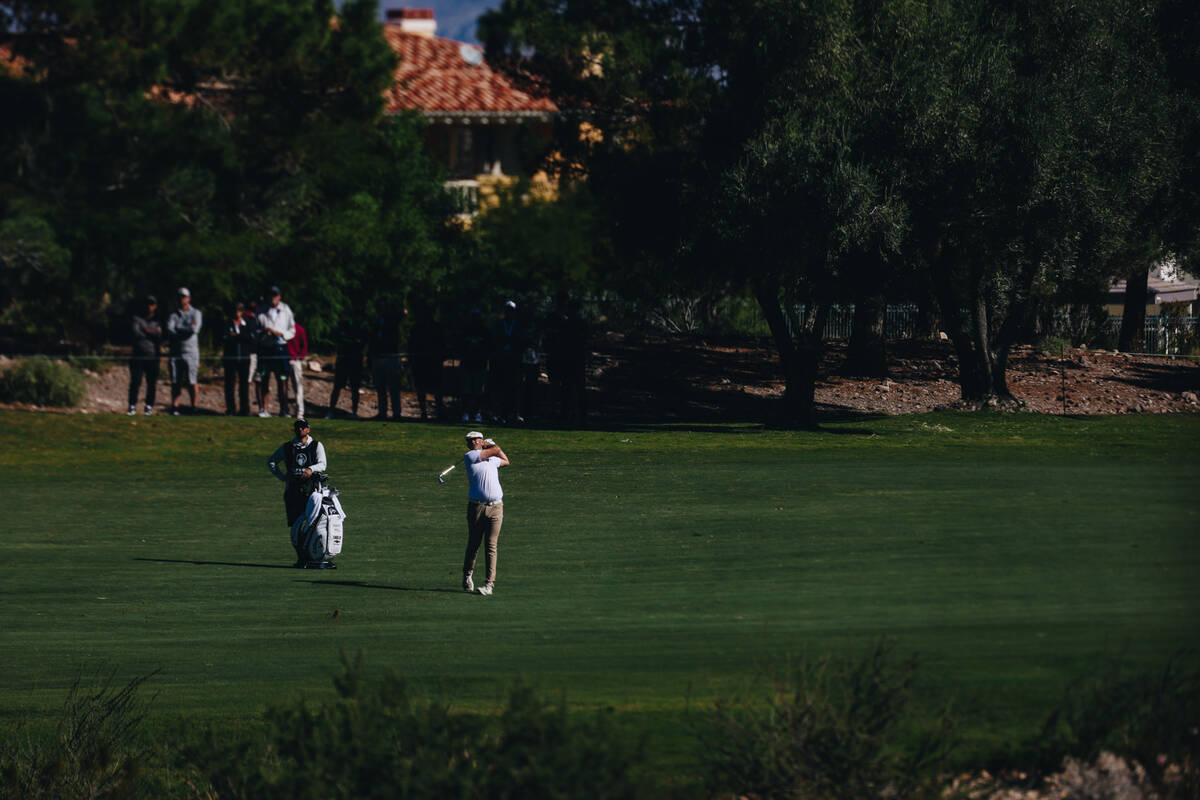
point(678, 379)
point(684, 379)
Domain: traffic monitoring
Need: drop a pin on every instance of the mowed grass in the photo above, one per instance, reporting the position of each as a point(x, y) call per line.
point(645, 570)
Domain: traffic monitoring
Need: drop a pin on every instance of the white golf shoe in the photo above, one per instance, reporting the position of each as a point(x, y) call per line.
point(486, 590)
point(468, 584)
point(131, 412)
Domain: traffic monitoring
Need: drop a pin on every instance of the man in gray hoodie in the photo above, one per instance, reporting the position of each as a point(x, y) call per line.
point(184, 360)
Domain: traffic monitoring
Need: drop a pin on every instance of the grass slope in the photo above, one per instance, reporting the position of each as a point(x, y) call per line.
point(641, 569)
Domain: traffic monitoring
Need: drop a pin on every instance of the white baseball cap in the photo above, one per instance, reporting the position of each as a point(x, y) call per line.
point(474, 435)
point(183, 292)
point(509, 304)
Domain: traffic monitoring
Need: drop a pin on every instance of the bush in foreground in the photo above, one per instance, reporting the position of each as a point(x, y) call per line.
point(828, 730)
point(831, 730)
point(92, 754)
point(42, 382)
point(377, 742)
point(1151, 719)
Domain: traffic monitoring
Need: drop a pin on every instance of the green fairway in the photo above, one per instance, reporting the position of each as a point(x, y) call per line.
point(643, 570)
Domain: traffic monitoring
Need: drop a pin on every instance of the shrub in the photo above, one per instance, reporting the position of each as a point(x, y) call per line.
point(1153, 719)
point(831, 730)
point(42, 382)
point(94, 362)
point(1053, 346)
point(91, 754)
point(377, 741)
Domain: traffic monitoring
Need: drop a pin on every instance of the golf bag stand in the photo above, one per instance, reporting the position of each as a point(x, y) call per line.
point(317, 533)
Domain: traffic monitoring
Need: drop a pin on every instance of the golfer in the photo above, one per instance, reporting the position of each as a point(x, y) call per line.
point(294, 463)
point(485, 509)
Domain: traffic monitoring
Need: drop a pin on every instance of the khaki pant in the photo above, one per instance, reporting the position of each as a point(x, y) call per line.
point(297, 382)
point(483, 524)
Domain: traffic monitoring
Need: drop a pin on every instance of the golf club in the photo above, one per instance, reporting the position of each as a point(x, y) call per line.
point(445, 472)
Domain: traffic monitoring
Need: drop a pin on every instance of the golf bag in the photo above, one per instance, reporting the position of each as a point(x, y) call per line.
point(317, 533)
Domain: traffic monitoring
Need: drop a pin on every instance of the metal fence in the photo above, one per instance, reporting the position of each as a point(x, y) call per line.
point(1162, 335)
point(900, 322)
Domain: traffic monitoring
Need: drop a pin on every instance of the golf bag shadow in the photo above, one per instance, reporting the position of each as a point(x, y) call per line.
point(317, 533)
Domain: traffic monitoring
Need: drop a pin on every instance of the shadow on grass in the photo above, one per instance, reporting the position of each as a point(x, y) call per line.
point(364, 585)
point(215, 563)
point(825, 415)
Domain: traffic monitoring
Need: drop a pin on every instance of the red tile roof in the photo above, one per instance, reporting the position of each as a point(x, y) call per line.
point(442, 76)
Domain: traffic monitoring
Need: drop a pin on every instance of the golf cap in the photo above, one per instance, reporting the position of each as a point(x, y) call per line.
point(183, 292)
point(474, 435)
point(151, 300)
point(274, 290)
point(509, 304)
point(299, 424)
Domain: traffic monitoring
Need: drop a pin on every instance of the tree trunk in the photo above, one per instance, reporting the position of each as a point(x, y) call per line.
point(982, 362)
point(1133, 318)
point(867, 354)
point(799, 353)
point(928, 323)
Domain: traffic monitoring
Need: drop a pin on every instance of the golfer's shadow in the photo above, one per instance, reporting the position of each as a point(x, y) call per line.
point(215, 563)
point(365, 585)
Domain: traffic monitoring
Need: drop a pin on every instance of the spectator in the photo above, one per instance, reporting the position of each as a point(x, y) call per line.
point(566, 359)
point(298, 351)
point(183, 327)
point(278, 327)
point(473, 362)
point(143, 361)
point(426, 354)
point(384, 351)
point(252, 307)
point(240, 340)
point(352, 335)
point(504, 373)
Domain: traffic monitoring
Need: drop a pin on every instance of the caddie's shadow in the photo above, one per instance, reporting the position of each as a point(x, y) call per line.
point(215, 563)
point(364, 585)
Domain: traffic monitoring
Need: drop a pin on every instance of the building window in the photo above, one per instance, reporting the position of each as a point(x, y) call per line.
point(462, 162)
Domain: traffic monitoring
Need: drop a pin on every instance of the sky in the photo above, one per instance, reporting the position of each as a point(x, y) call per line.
point(455, 18)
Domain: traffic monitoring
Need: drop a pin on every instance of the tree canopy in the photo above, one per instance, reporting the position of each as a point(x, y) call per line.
point(218, 144)
point(996, 155)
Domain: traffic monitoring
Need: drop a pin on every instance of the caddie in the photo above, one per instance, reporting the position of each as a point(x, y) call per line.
point(485, 509)
point(294, 462)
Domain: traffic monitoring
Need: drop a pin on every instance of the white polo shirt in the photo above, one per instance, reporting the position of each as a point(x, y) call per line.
point(483, 475)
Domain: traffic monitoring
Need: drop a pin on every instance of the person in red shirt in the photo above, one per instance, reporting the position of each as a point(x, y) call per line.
point(297, 348)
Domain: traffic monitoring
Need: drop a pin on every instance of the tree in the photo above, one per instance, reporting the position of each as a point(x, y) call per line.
point(730, 145)
point(536, 245)
point(819, 151)
point(1043, 171)
point(218, 144)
